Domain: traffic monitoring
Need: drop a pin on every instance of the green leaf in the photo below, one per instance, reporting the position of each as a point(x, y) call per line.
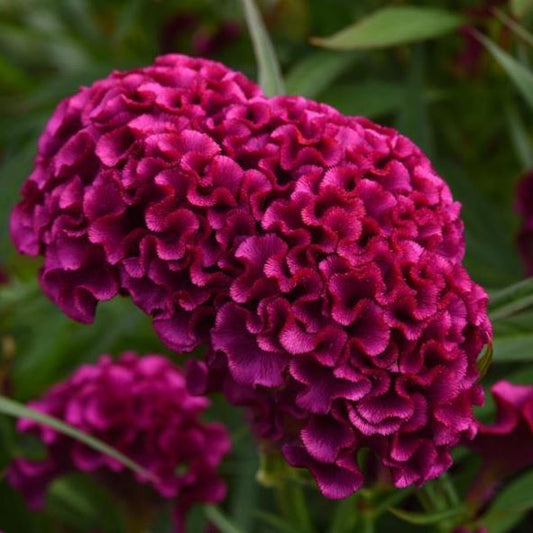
point(423, 519)
point(510, 505)
point(413, 119)
point(516, 28)
point(513, 348)
point(520, 75)
point(317, 71)
point(219, 519)
point(520, 8)
point(276, 522)
point(485, 361)
point(13, 408)
point(519, 137)
point(511, 300)
point(270, 77)
point(391, 26)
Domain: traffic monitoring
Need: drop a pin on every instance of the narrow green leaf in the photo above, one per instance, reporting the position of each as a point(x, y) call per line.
point(423, 519)
point(276, 522)
point(520, 8)
point(317, 71)
point(391, 26)
point(484, 362)
point(511, 300)
point(513, 348)
point(520, 75)
point(510, 505)
point(413, 119)
point(219, 519)
point(270, 77)
point(17, 410)
point(519, 137)
point(516, 28)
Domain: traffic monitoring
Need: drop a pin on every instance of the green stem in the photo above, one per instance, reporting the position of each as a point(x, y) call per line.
point(368, 522)
point(291, 501)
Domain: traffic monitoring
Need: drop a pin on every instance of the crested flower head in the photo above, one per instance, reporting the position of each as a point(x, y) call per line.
point(139, 406)
point(317, 256)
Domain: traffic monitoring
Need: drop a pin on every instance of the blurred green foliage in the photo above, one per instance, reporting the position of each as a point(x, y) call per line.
point(467, 104)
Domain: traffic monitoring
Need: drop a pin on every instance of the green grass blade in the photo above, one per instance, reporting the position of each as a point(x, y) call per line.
point(519, 75)
point(220, 520)
point(17, 410)
point(270, 77)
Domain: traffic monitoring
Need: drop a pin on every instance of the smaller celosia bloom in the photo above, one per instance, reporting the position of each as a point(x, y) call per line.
point(524, 207)
point(506, 446)
point(139, 406)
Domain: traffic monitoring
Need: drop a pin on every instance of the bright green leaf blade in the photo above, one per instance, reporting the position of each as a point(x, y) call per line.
point(510, 505)
point(17, 410)
point(422, 519)
point(215, 515)
point(317, 71)
point(392, 26)
point(520, 75)
point(511, 300)
point(520, 8)
point(270, 77)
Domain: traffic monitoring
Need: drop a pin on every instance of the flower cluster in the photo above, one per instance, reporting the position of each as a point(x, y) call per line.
point(139, 406)
point(317, 256)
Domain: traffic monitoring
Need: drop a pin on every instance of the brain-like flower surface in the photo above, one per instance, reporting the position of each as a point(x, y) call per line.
point(317, 256)
point(506, 445)
point(140, 406)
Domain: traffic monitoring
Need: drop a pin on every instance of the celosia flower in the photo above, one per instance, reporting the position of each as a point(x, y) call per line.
point(139, 406)
point(524, 207)
point(317, 256)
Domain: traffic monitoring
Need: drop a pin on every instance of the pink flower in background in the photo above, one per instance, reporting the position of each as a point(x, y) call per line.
point(317, 256)
point(524, 207)
point(506, 445)
point(140, 406)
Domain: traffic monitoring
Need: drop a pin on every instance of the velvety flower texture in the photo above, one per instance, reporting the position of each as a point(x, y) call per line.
point(317, 256)
point(140, 406)
point(524, 207)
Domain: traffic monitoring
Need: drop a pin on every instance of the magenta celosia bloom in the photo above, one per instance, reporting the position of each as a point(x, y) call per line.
point(524, 207)
point(140, 406)
point(317, 256)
